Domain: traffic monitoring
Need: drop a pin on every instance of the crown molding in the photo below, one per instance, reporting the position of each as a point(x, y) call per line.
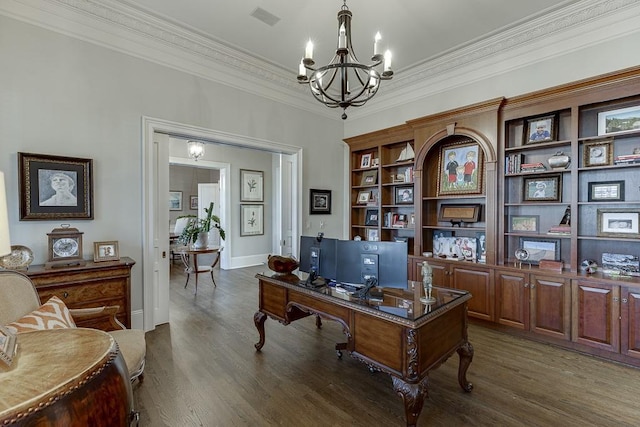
point(117, 26)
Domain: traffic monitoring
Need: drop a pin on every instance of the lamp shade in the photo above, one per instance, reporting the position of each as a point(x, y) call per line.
point(5, 241)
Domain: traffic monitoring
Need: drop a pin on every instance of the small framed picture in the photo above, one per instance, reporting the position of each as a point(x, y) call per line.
point(539, 249)
point(193, 202)
point(541, 129)
point(319, 202)
point(7, 346)
point(365, 161)
point(371, 217)
point(619, 223)
point(369, 177)
point(404, 195)
point(251, 220)
point(364, 196)
point(372, 235)
point(459, 213)
point(542, 188)
point(598, 153)
point(606, 191)
point(251, 186)
point(106, 251)
point(175, 200)
point(525, 223)
point(619, 121)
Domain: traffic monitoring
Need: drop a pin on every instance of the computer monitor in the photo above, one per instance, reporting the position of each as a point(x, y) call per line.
point(387, 262)
point(318, 254)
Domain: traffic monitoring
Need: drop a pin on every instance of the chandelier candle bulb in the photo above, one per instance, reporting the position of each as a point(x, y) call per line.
point(387, 61)
point(342, 38)
point(376, 48)
point(301, 70)
point(308, 51)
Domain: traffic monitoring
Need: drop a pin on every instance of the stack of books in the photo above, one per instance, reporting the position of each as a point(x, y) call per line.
point(532, 167)
point(627, 159)
point(562, 230)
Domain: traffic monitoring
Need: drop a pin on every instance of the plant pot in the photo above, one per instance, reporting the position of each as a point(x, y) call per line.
point(202, 241)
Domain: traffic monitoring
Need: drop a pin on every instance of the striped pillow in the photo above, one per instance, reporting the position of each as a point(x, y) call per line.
point(51, 315)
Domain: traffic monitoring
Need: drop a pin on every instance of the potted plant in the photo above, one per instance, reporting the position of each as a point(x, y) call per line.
point(196, 232)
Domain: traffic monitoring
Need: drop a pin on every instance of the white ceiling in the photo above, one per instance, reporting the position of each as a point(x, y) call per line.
point(414, 30)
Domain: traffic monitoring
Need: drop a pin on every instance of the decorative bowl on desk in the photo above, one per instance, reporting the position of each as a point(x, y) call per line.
point(282, 265)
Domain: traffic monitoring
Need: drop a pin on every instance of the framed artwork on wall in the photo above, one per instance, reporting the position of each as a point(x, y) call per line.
point(319, 202)
point(175, 200)
point(55, 187)
point(251, 220)
point(460, 169)
point(251, 186)
point(193, 202)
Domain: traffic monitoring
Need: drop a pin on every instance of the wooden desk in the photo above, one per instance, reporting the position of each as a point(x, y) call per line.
point(185, 253)
point(66, 377)
point(398, 335)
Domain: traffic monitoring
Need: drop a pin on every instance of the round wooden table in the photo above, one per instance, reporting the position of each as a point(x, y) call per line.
point(185, 254)
point(66, 377)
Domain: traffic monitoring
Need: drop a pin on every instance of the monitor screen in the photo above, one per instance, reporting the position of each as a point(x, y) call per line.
point(320, 256)
point(386, 261)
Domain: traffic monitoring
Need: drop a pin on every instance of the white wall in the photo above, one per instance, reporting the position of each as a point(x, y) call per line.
point(67, 97)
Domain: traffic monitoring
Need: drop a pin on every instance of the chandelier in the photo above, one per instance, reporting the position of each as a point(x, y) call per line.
point(196, 149)
point(345, 82)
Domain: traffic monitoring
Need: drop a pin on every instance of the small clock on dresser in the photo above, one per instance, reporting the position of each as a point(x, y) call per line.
point(65, 247)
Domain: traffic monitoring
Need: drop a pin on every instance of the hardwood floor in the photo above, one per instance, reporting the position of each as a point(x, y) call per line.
point(202, 370)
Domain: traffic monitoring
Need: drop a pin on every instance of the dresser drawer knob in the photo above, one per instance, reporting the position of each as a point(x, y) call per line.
point(65, 294)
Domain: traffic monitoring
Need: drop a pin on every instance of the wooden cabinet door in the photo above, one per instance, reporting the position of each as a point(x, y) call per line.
point(630, 322)
point(512, 302)
point(550, 306)
point(596, 320)
point(440, 274)
point(478, 282)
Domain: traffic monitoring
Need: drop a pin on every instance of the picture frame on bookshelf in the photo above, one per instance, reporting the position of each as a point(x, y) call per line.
point(319, 202)
point(525, 224)
point(622, 120)
point(365, 161)
point(364, 196)
point(540, 249)
point(599, 153)
point(460, 169)
point(547, 188)
point(620, 263)
point(371, 217)
point(606, 191)
point(459, 213)
point(541, 129)
point(618, 223)
point(369, 177)
point(372, 234)
point(403, 195)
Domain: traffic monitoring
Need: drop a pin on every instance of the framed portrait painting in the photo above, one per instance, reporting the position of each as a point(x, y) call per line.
point(251, 186)
point(251, 220)
point(460, 169)
point(541, 129)
point(55, 187)
point(547, 188)
point(319, 202)
point(403, 195)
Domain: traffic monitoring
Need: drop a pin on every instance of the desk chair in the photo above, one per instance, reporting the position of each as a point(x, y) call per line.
point(208, 268)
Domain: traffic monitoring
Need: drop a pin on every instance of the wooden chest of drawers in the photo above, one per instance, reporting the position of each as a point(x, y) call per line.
point(93, 284)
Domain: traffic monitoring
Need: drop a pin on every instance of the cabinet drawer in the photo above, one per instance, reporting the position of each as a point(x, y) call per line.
point(89, 295)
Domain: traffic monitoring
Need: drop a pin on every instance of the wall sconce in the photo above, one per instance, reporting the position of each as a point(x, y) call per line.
point(196, 149)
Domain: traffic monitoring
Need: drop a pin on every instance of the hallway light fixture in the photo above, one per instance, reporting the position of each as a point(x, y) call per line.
point(196, 149)
point(345, 82)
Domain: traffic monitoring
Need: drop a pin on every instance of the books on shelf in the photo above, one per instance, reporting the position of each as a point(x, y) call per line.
point(562, 230)
point(532, 167)
point(627, 159)
point(513, 163)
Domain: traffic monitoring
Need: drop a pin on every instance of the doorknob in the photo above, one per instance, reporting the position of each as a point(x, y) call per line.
point(164, 254)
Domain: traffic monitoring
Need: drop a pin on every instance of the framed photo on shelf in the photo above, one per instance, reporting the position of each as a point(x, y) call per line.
point(319, 202)
point(525, 223)
point(459, 213)
point(404, 195)
point(619, 121)
point(619, 223)
point(193, 202)
point(369, 177)
point(598, 153)
point(539, 249)
point(541, 129)
point(365, 161)
point(547, 188)
point(55, 187)
point(175, 200)
point(251, 186)
point(8, 345)
point(606, 191)
point(460, 169)
point(364, 196)
point(371, 217)
point(620, 263)
point(372, 234)
point(106, 251)
point(251, 220)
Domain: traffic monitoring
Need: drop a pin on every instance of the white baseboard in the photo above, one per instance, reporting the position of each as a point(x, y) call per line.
point(247, 261)
point(137, 319)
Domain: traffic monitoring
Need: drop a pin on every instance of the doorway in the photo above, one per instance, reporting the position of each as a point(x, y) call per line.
point(155, 147)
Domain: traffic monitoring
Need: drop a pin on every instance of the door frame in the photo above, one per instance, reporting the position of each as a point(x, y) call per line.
point(154, 243)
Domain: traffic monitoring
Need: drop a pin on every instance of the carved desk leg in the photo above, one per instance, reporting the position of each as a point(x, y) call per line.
point(259, 319)
point(413, 396)
point(466, 356)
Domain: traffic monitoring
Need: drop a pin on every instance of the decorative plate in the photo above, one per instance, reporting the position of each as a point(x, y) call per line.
point(19, 258)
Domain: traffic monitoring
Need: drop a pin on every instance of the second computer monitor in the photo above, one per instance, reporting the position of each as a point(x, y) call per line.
point(387, 262)
point(319, 256)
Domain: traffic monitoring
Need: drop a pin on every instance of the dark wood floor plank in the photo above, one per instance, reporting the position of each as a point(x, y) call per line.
point(203, 370)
